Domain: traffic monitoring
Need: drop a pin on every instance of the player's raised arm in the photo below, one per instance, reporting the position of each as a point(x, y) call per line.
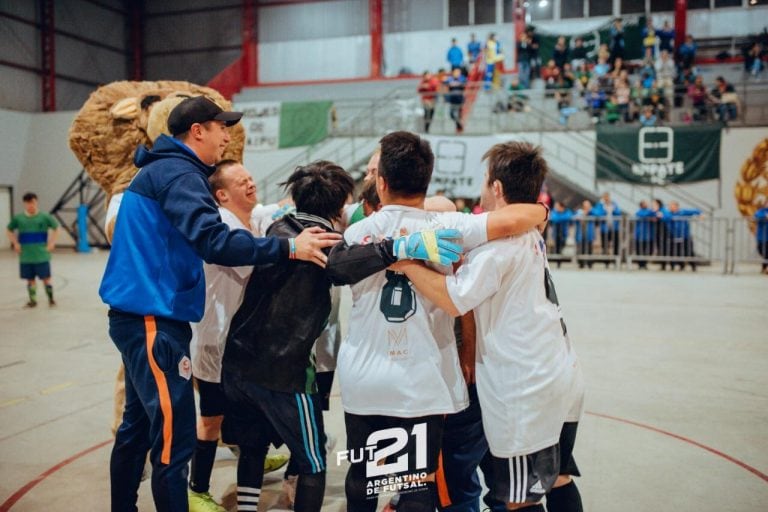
point(515, 219)
point(429, 283)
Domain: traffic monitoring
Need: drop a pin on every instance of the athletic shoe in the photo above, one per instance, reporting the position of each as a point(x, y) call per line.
point(289, 488)
point(51, 303)
point(30, 304)
point(275, 462)
point(203, 502)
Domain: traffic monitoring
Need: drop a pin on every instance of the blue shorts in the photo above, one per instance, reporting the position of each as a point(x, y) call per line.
point(28, 271)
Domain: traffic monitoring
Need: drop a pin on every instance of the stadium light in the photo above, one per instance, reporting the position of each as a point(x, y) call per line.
point(543, 3)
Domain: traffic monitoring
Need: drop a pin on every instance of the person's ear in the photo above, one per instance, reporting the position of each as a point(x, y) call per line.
point(221, 196)
point(498, 189)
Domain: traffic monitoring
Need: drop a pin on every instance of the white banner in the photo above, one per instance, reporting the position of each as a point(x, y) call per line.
point(459, 168)
point(261, 121)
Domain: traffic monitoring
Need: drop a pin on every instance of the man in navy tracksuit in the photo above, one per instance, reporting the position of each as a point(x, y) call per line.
point(167, 225)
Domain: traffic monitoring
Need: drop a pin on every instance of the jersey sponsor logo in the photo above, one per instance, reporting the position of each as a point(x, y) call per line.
point(397, 344)
point(185, 368)
point(386, 456)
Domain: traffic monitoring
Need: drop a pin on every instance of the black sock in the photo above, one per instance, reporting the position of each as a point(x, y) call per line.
point(564, 499)
point(202, 465)
point(310, 490)
point(49, 292)
point(250, 476)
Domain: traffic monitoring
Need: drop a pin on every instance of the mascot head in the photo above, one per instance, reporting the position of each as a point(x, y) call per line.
point(118, 117)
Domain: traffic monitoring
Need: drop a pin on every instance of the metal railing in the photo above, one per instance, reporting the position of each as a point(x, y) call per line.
point(640, 243)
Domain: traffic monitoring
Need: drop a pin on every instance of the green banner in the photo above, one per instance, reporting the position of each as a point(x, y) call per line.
point(658, 155)
point(303, 123)
point(633, 39)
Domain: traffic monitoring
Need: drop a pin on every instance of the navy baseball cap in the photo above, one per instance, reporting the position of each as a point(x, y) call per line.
point(198, 109)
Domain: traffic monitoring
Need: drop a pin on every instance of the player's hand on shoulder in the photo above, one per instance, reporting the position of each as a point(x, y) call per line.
point(311, 242)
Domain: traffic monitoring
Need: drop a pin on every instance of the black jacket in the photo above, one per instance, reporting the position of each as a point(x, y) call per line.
point(286, 306)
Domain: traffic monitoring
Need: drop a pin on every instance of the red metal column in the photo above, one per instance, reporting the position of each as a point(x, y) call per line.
point(518, 17)
point(136, 40)
point(681, 11)
point(250, 55)
point(48, 50)
point(375, 16)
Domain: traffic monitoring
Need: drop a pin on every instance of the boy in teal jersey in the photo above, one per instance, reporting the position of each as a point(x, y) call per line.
point(33, 235)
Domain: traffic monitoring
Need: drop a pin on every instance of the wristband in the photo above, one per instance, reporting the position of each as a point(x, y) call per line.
point(291, 248)
point(546, 217)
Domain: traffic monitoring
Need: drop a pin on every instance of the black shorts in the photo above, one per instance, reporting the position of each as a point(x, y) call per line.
point(527, 478)
point(212, 399)
point(408, 445)
point(257, 416)
point(29, 271)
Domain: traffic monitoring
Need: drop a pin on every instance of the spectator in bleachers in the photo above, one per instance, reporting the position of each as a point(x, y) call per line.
point(666, 37)
point(612, 113)
point(603, 51)
point(623, 98)
point(585, 233)
point(679, 229)
point(724, 95)
point(583, 76)
point(665, 72)
point(560, 218)
point(609, 216)
point(517, 101)
point(493, 60)
point(686, 54)
point(699, 96)
point(685, 78)
point(655, 98)
point(650, 39)
point(761, 234)
point(753, 60)
point(617, 69)
point(455, 85)
point(473, 49)
point(644, 233)
point(647, 117)
point(578, 53)
point(550, 74)
point(455, 56)
point(617, 40)
point(524, 60)
point(428, 88)
point(602, 68)
point(533, 39)
point(560, 52)
point(568, 76)
point(594, 100)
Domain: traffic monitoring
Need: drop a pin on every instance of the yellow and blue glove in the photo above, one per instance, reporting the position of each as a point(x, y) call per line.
point(442, 246)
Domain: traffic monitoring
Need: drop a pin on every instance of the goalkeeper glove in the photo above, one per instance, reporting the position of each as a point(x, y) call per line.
point(442, 246)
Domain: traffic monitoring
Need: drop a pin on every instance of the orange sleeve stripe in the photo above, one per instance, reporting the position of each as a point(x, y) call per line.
point(162, 390)
point(442, 485)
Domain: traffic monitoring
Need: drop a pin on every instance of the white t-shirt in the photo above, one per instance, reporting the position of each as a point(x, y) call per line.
point(224, 287)
point(528, 377)
point(399, 357)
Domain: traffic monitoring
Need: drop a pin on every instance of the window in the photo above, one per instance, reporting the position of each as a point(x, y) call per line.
point(727, 3)
point(541, 9)
point(632, 6)
point(509, 9)
point(698, 4)
point(662, 5)
point(485, 12)
point(600, 7)
point(458, 13)
point(571, 8)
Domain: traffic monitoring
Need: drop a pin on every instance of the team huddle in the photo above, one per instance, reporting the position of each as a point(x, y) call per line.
point(422, 412)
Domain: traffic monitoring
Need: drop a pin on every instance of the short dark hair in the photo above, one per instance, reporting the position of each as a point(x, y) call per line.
point(320, 188)
point(29, 196)
point(406, 163)
point(369, 195)
point(519, 167)
point(216, 180)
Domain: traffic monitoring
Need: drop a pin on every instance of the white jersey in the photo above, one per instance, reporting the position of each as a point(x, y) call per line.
point(399, 357)
point(224, 287)
point(528, 378)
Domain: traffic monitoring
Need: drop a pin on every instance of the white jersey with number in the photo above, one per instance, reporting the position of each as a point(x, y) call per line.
point(399, 357)
point(224, 287)
point(528, 377)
